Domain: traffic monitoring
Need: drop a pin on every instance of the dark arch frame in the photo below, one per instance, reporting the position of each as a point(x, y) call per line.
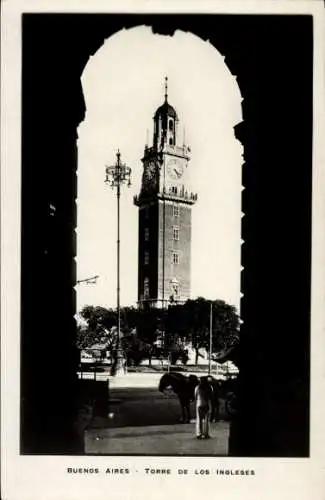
point(274, 74)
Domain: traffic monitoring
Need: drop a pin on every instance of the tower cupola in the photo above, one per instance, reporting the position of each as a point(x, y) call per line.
point(165, 124)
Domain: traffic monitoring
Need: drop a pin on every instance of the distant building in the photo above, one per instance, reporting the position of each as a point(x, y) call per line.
point(165, 204)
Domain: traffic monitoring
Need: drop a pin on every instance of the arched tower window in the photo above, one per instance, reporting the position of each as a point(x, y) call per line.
point(171, 131)
point(175, 289)
point(146, 288)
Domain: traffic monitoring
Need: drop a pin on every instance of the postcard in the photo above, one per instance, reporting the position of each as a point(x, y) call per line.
point(162, 249)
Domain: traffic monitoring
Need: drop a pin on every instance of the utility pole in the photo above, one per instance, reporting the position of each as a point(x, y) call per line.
point(116, 176)
point(210, 338)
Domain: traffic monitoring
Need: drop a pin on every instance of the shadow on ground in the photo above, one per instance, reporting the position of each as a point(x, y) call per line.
point(142, 421)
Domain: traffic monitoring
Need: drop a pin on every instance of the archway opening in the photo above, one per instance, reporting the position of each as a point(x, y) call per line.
point(119, 111)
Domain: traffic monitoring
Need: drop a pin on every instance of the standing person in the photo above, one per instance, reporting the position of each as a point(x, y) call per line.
point(203, 400)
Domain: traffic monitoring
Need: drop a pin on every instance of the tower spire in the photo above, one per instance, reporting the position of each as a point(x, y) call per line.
point(166, 88)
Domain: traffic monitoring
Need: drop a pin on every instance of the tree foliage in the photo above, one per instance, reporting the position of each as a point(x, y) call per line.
point(189, 322)
point(149, 323)
point(225, 323)
point(97, 328)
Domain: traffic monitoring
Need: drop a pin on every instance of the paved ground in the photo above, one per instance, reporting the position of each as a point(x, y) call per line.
point(143, 421)
point(157, 440)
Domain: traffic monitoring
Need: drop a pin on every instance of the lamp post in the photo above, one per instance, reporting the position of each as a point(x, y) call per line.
point(116, 176)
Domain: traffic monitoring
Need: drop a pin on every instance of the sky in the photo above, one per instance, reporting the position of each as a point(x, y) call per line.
point(123, 85)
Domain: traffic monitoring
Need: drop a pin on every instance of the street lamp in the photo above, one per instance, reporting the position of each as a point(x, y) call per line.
point(116, 175)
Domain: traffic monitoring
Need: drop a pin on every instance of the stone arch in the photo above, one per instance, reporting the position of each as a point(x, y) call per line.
point(273, 74)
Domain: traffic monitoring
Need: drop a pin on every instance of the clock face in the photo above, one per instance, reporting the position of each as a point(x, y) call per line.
point(150, 177)
point(175, 168)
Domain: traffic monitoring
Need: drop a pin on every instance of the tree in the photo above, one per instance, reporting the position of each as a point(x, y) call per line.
point(177, 322)
point(189, 321)
point(136, 351)
point(98, 328)
point(225, 325)
point(149, 323)
point(98, 317)
point(197, 313)
point(129, 319)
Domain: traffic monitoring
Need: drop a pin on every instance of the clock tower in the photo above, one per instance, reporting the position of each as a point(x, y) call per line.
point(165, 204)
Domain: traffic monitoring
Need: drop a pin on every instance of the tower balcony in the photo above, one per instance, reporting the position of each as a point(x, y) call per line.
point(181, 151)
point(180, 195)
point(155, 152)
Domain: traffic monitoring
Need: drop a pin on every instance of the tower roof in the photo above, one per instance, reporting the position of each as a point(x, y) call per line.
point(166, 109)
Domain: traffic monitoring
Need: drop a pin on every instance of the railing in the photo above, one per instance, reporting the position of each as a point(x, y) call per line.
point(93, 362)
point(179, 150)
point(181, 194)
point(182, 151)
point(93, 368)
